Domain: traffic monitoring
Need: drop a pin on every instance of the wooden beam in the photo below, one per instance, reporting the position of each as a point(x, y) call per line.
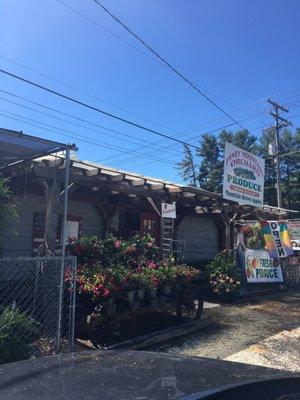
point(71, 189)
point(116, 178)
point(52, 198)
point(156, 186)
point(91, 172)
point(140, 182)
point(174, 190)
point(154, 206)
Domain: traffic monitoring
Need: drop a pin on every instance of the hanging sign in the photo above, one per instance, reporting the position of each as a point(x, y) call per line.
point(294, 232)
point(243, 179)
point(277, 239)
point(168, 210)
point(259, 267)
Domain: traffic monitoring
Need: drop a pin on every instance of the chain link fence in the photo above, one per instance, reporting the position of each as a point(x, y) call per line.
point(37, 306)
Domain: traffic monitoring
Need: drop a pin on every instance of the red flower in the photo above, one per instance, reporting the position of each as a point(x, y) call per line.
point(155, 281)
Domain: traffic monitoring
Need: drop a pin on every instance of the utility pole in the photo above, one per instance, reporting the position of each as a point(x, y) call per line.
point(279, 123)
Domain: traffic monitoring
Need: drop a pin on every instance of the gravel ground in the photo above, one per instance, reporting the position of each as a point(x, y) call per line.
point(236, 327)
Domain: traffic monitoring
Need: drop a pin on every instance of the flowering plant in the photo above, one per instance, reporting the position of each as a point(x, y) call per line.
point(112, 266)
point(223, 284)
point(223, 277)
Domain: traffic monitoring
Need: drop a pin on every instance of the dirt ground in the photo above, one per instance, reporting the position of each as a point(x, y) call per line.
point(254, 323)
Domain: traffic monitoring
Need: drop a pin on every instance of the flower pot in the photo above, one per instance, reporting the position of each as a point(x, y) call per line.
point(153, 292)
point(141, 294)
point(131, 295)
point(167, 289)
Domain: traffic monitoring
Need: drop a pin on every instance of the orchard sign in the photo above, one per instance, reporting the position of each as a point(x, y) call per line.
point(243, 180)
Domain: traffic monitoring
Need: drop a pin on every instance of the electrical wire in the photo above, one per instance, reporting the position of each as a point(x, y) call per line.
point(189, 82)
point(82, 138)
point(83, 92)
point(85, 127)
point(81, 103)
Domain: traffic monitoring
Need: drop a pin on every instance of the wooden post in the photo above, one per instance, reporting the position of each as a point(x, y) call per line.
point(51, 190)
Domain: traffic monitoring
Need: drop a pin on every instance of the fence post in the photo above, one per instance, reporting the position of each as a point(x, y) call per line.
point(72, 307)
point(63, 250)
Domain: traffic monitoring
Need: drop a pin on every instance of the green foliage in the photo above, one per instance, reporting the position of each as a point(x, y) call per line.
point(206, 170)
point(210, 170)
point(8, 207)
point(254, 238)
point(17, 332)
point(187, 167)
point(222, 263)
point(112, 266)
point(223, 277)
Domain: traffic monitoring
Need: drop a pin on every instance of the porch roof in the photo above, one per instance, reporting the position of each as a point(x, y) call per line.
point(15, 147)
point(116, 181)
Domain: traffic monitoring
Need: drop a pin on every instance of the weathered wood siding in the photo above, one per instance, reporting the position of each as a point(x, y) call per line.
point(201, 237)
point(20, 243)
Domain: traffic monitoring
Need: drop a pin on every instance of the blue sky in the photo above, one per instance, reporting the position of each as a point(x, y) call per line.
point(238, 52)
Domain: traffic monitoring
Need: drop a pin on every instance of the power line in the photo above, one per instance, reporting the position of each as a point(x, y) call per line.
point(79, 125)
point(74, 136)
point(82, 91)
point(126, 121)
point(193, 138)
point(108, 31)
point(167, 63)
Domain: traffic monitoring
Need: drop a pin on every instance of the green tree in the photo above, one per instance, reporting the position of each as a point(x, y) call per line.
point(289, 167)
point(210, 170)
point(187, 168)
point(207, 170)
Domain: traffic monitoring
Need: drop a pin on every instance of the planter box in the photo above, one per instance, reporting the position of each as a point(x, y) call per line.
point(154, 302)
point(167, 289)
point(153, 293)
point(141, 294)
point(163, 300)
point(131, 295)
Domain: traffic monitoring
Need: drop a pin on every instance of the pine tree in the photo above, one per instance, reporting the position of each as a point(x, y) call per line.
point(187, 167)
point(290, 165)
point(210, 171)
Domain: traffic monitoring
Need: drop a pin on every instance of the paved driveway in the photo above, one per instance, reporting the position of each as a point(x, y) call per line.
point(262, 332)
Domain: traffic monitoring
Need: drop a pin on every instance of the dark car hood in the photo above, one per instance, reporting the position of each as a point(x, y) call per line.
point(115, 375)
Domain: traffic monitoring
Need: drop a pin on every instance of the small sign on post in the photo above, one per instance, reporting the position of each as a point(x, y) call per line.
point(168, 210)
point(243, 179)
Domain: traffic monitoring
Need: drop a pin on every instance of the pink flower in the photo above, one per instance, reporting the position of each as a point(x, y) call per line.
point(118, 243)
point(106, 292)
point(152, 265)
